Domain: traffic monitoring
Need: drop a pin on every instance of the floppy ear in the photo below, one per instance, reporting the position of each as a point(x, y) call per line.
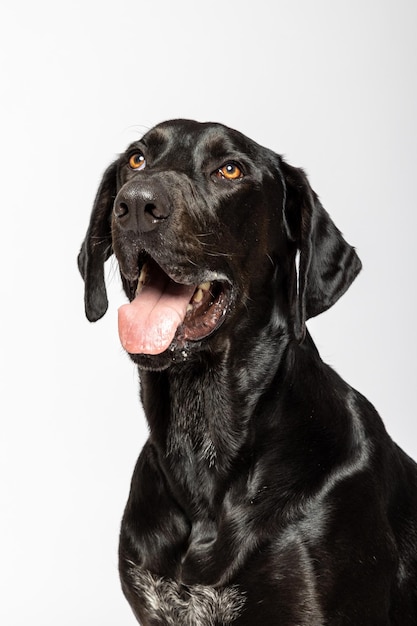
point(97, 247)
point(327, 263)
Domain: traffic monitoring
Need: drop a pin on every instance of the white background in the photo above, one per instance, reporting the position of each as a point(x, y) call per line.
point(330, 84)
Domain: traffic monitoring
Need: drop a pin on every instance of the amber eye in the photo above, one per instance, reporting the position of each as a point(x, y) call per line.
point(230, 171)
point(137, 161)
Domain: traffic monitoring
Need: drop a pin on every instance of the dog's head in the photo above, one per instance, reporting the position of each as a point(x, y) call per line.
point(216, 237)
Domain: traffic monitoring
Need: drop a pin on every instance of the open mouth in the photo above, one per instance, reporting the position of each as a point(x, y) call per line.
point(166, 314)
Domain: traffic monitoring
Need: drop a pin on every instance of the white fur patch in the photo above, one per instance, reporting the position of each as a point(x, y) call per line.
point(172, 603)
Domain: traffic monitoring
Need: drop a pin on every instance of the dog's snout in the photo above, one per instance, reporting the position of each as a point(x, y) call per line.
point(141, 208)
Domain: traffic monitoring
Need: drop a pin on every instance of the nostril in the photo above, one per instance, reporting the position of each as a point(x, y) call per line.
point(121, 209)
point(152, 210)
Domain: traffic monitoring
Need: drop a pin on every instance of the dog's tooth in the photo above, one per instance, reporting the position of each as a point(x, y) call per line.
point(189, 307)
point(204, 286)
point(198, 296)
point(141, 280)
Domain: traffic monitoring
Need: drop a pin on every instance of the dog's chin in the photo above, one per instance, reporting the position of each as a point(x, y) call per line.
point(160, 362)
point(179, 352)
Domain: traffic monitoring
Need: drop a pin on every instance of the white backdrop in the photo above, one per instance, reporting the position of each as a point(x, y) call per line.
point(330, 84)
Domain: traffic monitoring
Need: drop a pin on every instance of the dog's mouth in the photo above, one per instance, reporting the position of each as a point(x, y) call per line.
point(165, 314)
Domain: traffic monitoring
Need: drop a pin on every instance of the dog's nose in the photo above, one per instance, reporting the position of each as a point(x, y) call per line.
point(141, 208)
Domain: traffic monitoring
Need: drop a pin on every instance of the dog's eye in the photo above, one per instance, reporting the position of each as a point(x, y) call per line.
point(137, 161)
point(230, 171)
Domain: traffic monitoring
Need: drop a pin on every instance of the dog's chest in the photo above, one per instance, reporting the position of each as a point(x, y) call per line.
point(166, 601)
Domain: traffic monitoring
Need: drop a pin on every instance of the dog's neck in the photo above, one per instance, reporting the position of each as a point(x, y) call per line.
point(200, 413)
point(189, 417)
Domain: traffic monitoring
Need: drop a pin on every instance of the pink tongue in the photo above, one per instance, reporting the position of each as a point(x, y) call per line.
point(148, 324)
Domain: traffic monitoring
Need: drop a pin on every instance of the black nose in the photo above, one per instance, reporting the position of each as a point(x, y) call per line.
point(141, 207)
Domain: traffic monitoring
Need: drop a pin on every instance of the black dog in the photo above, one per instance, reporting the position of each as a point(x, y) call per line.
point(269, 491)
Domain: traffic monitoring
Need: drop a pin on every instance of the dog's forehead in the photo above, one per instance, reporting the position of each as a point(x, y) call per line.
point(198, 141)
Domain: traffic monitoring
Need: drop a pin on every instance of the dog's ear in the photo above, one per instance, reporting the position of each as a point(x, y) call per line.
point(327, 263)
point(97, 246)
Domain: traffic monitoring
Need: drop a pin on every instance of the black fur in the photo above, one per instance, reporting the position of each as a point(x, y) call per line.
point(269, 491)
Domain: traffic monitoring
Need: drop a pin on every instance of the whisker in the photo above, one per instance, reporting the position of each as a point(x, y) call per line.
point(270, 258)
point(226, 255)
point(191, 262)
point(113, 271)
point(204, 235)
